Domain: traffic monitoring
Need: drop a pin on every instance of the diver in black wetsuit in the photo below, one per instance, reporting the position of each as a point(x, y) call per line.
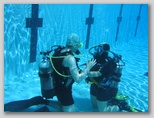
point(104, 78)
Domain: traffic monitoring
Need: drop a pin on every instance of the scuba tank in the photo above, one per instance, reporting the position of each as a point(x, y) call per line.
point(45, 74)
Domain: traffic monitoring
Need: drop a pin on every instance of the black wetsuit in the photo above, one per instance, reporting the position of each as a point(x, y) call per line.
point(107, 86)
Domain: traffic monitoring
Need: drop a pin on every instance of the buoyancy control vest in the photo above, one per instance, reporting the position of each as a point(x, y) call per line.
point(62, 74)
point(110, 74)
point(110, 68)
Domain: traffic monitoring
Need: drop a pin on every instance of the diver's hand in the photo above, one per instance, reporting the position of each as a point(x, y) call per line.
point(91, 63)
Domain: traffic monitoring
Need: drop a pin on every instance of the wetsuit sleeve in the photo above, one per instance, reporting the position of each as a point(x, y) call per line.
point(94, 74)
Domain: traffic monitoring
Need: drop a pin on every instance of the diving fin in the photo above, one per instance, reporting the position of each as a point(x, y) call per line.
point(20, 105)
point(121, 97)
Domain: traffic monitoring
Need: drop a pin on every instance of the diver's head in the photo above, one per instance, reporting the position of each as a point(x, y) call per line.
point(106, 47)
point(73, 42)
point(102, 48)
point(101, 52)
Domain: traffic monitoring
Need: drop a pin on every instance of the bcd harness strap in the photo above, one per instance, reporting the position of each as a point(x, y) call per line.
point(92, 82)
point(96, 83)
point(101, 84)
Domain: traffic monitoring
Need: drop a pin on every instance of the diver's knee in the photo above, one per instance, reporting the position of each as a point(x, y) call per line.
point(70, 108)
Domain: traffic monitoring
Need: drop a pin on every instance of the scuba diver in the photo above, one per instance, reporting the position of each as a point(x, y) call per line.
point(104, 78)
point(66, 72)
point(57, 75)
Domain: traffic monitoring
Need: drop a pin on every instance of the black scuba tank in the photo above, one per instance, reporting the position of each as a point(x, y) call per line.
point(45, 74)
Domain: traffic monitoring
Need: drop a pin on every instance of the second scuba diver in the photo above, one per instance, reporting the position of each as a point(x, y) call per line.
point(104, 78)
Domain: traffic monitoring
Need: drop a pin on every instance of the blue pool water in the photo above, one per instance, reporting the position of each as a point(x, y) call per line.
point(21, 80)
